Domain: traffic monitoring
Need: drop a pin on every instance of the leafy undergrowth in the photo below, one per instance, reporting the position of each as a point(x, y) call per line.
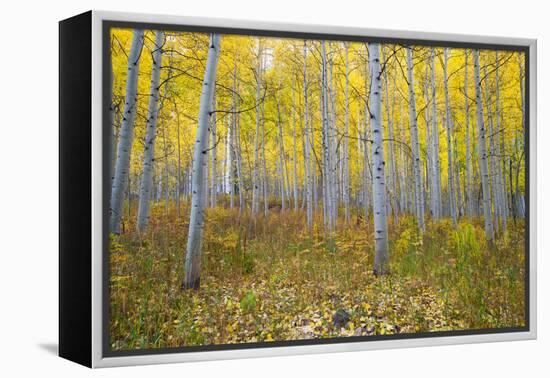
point(271, 280)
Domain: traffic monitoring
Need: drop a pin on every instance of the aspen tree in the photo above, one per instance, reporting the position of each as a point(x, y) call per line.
point(151, 133)
point(381, 256)
point(196, 220)
point(126, 135)
point(418, 187)
point(482, 152)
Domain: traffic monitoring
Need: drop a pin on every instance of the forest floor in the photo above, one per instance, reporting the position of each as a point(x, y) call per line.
point(271, 280)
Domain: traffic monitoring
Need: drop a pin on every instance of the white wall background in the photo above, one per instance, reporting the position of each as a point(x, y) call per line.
point(28, 189)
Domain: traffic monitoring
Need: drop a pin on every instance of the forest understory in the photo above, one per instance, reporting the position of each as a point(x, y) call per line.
point(271, 279)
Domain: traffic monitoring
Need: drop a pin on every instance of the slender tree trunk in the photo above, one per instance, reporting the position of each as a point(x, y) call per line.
point(523, 123)
point(361, 159)
point(499, 132)
point(492, 155)
point(308, 181)
point(255, 176)
point(166, 172)
point(332, 134)
point(449, 124)
point(232, 140)
point(230, 163)
point(402, 176)
point(214, 157)
point(418, 186)
point(179, 178)
point(458, 186)
point(196, 222)
point(367, 151)
point(282, 156)
point(295, 157)
point(367, 168)
point(126, 135)
point(482, 153)
point(151, 133)
point(159, 188)
point(436, 170)
point(346, 186)
point(381, 257)
point(265, 182)
point(389, 113)
point(429, 179)
point(113, 119)
point(469, 183)
point(327, 166)
point(238, 158)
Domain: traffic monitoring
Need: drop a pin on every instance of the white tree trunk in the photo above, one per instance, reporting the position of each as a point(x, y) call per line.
point(308, 181)
point(150, 136)
point(381, 256)
point(449, 128)
point(166, 173)
point(389, 113)
point(429, 180)
point(214, 158)
point(367, 152)
point(238, 161)
point(499, 135)
point(178, 198)
point(418, 186)
point(255, 175)
point(458, 186)
point(232, 131)
point(231, 157)
point(126, 135)
point(265, 183)
point(346, 186)
point(469, 177)
point(493, 174)
point(482, 152)
point(295, 157)
point(196, 221)
point(327, 150)
point(332, 135)
point(403, 205)
point(282, 163)
point(436, 172)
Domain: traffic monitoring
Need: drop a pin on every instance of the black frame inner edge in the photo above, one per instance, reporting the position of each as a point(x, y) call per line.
point(106, 167)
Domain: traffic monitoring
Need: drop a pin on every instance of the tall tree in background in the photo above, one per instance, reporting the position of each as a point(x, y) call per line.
point(151, 133)
point(367, 172)
point(418, 187)
point(436, 172)
point(482, 152)
point(328, 186)
point(295, 145)
point(255, 177)
point(381, 255)
point(492, 158)
point(392, 187)
point(499, 131)
point(307, 152)
point(196, 221)
point(519, 200)
point(214, 157)
point(469, 176)
point(126, 134)
point(449, 129)
point(346, 185)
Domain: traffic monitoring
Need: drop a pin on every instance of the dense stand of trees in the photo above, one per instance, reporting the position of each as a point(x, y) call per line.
point(337, 131)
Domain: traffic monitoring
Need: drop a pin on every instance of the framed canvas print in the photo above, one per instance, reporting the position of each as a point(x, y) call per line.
point(238, 189)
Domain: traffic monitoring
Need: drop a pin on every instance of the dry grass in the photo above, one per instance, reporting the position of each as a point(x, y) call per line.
point(270, 279)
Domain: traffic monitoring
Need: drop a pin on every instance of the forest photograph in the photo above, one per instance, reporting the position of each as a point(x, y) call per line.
point(267, 189)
